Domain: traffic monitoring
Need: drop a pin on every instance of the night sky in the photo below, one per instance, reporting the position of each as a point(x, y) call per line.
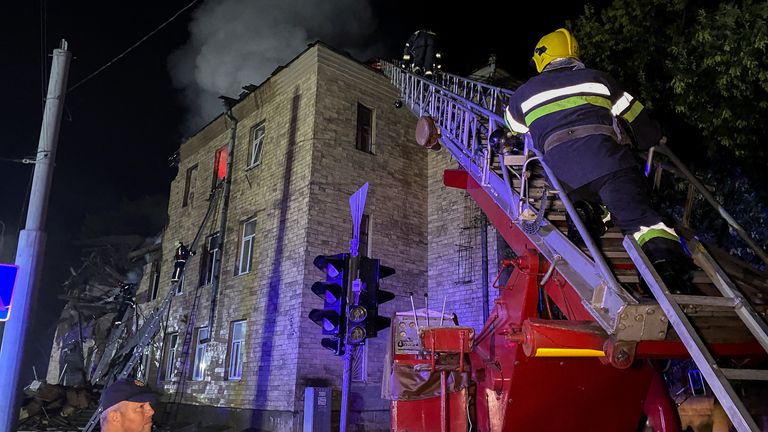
point(120, 127)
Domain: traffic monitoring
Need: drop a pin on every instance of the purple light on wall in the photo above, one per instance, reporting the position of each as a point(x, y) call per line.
point(7, 283)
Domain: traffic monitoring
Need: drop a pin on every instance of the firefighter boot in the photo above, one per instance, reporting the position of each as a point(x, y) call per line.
point(590, 214)
point(672, 264)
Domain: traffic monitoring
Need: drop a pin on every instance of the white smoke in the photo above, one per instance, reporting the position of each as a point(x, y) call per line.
point(238, 42)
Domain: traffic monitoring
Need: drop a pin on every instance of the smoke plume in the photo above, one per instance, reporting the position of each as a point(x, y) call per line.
point(237, 42)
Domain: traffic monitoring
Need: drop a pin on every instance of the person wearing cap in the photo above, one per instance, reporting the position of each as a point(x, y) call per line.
point(126, 407)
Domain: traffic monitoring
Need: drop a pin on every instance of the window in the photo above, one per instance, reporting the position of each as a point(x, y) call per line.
point(360, 363)
point(257, 140)
point(154, 280)
point(220, 165)
point(210, 260)
point(246, 246)
point(364, 138)
point(170, 356)
point(189, 187)
point(236, 345)
point(143, 372)
point(364, 247)
point(201, 360)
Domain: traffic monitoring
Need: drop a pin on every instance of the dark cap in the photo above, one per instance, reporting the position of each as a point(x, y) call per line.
point(126, 390)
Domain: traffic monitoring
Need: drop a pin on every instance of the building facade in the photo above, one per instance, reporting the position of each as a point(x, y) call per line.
point(305, 140)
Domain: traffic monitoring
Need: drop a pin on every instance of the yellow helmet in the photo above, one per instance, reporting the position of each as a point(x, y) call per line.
point(558, 44)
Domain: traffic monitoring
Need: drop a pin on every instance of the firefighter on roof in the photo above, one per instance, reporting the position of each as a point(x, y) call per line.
point(572, 113)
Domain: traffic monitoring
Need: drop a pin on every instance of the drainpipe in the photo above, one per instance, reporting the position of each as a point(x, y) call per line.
point(228, 103)
point(484, 246)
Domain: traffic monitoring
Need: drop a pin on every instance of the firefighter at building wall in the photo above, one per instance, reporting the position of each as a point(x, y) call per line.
point(421, 53)
point(180, 260)
point(573, 115)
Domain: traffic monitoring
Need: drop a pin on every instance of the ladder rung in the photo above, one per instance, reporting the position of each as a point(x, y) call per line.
point(704, 300)
point(746, 374)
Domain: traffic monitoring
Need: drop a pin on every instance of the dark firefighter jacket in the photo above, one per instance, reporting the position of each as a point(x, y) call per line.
point(569, 112)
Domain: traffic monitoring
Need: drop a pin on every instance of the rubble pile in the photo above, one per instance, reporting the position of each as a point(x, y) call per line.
point(98, 319)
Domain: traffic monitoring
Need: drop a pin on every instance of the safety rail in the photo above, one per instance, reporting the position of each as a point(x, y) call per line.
point(664, 149)
point(487, 96)
point(464, 124)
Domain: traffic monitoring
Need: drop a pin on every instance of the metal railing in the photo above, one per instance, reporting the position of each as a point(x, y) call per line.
point(464, 125)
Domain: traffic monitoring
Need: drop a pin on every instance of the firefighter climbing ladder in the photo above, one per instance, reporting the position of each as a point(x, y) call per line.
point(151, 326)
point(466, 111)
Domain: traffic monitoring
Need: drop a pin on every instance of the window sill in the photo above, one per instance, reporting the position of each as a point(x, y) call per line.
point(250, 167)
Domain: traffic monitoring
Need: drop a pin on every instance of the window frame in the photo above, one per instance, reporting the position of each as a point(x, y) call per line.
point(252, 150)
point(252, 241)
point(360, 129)
point(154, 280)
point(190, 185)
point(218, 154)
point(200, 354)
point(209, 260)
point(169, 357)
point(235, 351)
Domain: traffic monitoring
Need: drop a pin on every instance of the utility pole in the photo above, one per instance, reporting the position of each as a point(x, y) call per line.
point(31, 247)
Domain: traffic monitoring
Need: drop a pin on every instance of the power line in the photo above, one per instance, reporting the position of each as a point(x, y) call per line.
point(133, 46)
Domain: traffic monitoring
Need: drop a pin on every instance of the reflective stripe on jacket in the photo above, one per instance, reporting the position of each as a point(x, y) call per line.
point(584, 101)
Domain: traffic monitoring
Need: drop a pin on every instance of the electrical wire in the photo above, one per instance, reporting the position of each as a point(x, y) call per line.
point(133, 46)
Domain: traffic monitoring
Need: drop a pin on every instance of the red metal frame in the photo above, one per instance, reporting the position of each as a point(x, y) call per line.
point(518, 392)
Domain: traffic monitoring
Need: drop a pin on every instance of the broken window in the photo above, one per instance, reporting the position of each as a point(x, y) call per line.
point(169, 365)
point(219, 165)
point(246, 246)
point(189, 187)
point(210, 259)
point(364, 137)
point(201, 360)
point(154, 280)
point(257, 141)
point(236, 347)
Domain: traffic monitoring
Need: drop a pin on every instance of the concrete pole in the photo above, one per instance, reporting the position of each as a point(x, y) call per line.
point(29, 256)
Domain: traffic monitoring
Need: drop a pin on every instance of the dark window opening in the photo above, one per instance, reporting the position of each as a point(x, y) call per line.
point(364, 138)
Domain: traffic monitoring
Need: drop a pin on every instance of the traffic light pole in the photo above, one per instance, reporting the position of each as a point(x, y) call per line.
point(29, 256)
point(346, 384)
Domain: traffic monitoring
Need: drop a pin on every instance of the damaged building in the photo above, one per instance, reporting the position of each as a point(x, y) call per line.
point(236, 348)
point(97, 320)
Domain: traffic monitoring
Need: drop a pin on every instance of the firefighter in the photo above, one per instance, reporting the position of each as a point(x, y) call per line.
point(127, 407)
point(574, 116)
point(180, 260)
point(421, 54)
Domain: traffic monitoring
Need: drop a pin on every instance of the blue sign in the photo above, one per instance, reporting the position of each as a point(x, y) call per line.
point(7, 283)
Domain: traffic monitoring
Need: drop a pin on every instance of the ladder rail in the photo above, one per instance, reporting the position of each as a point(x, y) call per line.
point(729, 290)
point(716, 377)
point(692, 179)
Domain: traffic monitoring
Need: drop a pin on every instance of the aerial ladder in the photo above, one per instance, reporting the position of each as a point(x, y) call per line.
point(528, 360)
point(123, 355)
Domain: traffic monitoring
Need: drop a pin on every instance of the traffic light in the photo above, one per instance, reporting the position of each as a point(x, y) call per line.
point(366, 313)
point(332, 317)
